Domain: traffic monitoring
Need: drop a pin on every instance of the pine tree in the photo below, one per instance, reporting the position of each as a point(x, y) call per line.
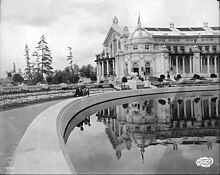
point(45, 55)
point(36, 65)
point(27, 74)
point(70, 59)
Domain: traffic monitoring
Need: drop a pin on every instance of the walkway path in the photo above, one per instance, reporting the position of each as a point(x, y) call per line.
point(13, 124)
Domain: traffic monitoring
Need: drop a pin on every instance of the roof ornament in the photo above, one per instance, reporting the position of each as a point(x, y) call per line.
point(195, 40)
point(139, 21)
point(205, 24)
point(115, 20)
point(171, 25)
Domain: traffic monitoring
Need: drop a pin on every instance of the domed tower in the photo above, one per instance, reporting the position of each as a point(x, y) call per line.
point(139, 37)
point(140, 56)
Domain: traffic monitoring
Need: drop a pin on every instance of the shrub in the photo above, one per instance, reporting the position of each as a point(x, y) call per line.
point(162, 76)
point(160, 80)
point(196, 100)
point(178, 76)
point(140, 78)
point(100, 86)
point(162, 102)
point(111, 86)
point(124, 80)
point(125, 105)
point(196, 76)
point(179, 101)
point(214, 99)
point(213, 76)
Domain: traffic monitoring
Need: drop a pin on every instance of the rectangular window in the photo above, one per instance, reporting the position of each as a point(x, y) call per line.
point(135, 47)
point(214, 48)
point(147, 47)
point(175, 48)
point(190, 49)
point(200, 47)
point(182, 48)
point(119, 45)
point(137, 128)
point(168, 47)
point(207, 48)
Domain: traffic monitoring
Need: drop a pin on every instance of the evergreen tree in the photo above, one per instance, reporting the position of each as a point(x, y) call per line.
point(27, 74)
point(46, 58)
point(70, 59)
point(18, 78)
point(35, 65)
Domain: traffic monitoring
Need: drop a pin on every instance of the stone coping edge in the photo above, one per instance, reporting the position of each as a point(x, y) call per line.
point(42, 149)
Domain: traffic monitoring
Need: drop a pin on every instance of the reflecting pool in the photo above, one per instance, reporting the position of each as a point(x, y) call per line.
point(149, 135)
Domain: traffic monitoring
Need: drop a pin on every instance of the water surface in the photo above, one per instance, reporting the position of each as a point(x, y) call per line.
point(150, 135)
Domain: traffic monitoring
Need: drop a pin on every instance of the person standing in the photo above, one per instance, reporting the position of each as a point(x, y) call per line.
point(88, 91)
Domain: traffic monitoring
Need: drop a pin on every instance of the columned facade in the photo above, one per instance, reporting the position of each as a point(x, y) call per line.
point(167, 50)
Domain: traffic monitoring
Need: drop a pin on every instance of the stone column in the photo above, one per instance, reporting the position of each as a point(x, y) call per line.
point(184, 65)
point(215, 64)
point(177, 65)
point(107, 67)
point(178, 110)
point(103, 69)
point(191, 102)
point(201, 64)
point(194, 66)
point(113, 66)
point(97, 73)
point(184, 107)
point(190, 64)
point(210, 109)
point(208, 71)
point(116, 68)
point(216, 103)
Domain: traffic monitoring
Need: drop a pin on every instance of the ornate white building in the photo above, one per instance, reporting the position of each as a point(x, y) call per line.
point(155, 51)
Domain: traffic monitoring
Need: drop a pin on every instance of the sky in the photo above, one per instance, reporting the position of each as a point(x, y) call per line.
point(83, 25)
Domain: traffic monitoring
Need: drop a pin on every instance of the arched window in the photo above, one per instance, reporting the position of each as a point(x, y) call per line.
point(147, 68)
point(135, 65)
point(136, 68)
point(147, 64)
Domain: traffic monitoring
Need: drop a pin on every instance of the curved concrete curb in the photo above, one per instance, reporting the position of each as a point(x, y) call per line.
point(42, 148)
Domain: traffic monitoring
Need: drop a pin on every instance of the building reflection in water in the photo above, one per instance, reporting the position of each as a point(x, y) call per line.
point(168, 122)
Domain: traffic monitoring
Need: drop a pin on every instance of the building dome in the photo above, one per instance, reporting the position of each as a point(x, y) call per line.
point(140, 35)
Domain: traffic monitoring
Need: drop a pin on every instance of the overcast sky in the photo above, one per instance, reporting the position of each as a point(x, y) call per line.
point(83, 24)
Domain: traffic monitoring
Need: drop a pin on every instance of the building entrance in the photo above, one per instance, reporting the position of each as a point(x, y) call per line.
point(136, 68)
point(147, 69)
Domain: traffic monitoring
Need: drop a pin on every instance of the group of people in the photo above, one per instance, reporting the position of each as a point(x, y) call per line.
point(81, 92)
point(86, 121)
